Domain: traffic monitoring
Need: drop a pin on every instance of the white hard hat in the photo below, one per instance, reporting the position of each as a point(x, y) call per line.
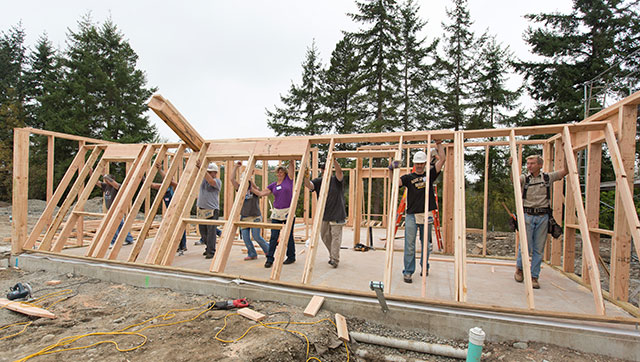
point(212, 167)
point(420, 157)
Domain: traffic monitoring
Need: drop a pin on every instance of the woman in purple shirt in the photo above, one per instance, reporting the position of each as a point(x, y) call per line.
point(282, 191)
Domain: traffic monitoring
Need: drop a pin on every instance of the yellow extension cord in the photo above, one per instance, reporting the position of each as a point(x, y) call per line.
point(166, 316)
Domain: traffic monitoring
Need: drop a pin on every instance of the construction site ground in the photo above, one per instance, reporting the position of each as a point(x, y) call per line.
point(99, 306)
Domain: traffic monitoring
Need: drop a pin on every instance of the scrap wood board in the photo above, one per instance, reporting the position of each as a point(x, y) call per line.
point(23, 308)
point(314, 306)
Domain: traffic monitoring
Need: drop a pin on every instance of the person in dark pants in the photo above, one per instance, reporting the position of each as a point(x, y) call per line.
point(334, 212)
point(282, 190)
point(209, 207)
point(168, 195)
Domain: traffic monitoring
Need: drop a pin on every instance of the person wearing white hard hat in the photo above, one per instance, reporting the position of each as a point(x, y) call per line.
point(209, 207)
point(415, 183)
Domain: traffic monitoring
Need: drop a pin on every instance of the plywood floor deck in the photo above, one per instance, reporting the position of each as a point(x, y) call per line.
point(487, 284)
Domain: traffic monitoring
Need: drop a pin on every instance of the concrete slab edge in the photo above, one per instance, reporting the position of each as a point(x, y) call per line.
point(448, 323)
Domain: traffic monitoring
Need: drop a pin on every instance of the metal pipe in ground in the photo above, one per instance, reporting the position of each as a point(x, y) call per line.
point(423, 347)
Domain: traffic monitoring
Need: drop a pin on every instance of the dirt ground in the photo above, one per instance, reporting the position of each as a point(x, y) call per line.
point(96, 307)
point(86, 306)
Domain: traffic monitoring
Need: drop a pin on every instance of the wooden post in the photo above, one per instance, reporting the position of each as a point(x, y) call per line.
point(624, 209)
point(587, 252)
point(592, 199)
point(427, 191)
point(50, 166)
point(20, 194)
point(289, 225)
point(357, 222)
point(546, 159)
point(352, 198)
point(569, 250)
point(369, 185)
point(317, 217)
point(393, 213)
point(460, 249)
point(485, 201)
point(224, 247)
point(524, 243)
point(447, 203)
point(558, 200)
point(80, 224)
point(229, 192)
point(263, 200)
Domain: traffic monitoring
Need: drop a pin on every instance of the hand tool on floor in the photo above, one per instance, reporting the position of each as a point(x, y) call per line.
point(229, 304)
point(19, 291)
point(378, 287)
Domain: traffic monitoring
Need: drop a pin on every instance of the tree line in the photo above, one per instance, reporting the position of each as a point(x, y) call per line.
point(391, 76)
point(92, 88)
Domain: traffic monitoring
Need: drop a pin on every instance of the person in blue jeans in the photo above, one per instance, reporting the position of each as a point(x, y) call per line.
point(282, 190)
point(416, 185)
point(168, 195)
point(110, 188)
point(250, 212)
point(536, 202)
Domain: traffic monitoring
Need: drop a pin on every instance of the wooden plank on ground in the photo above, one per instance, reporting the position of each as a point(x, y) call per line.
point(341, 326)
point(251, 314)
point(24, 308)
point(314, 306)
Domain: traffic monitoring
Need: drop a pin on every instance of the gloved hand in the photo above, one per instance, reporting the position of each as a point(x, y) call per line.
point(394, 164)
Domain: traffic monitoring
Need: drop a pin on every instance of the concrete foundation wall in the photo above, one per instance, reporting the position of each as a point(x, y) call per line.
point(620, 341)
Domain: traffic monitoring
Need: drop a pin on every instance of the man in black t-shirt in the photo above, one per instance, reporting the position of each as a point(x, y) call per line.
point(414, 219)
point(334, 212)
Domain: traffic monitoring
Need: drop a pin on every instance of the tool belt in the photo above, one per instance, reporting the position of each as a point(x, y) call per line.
point(279, 214)
point(537, 211)
point(205, 213)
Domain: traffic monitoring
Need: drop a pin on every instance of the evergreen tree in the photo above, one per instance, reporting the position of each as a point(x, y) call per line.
point(12, 114)
point(302, 113)
point(42, 102)
point(343, 99)
point(416, 89)
point(494, 104)
point(460, 48)
point(576, 47)
point(106, 94)
point(378, 46)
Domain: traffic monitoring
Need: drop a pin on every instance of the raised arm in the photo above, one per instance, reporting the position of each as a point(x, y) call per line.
point(292, 169)
point(441, 154)
point(234, 174)
point(162, 174)
point(109, 181)
point(261, 193)
point(339, 174)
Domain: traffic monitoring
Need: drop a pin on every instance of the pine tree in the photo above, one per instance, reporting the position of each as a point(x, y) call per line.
point(378, 46)
point(494, 104)
point(106, 93)
point(12, 113)
point(302, 113)
point(576, 47)
point(416, 88)
point(460, 48)
point(342, 85)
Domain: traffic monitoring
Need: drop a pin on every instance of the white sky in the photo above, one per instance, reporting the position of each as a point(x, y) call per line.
point(221, 63)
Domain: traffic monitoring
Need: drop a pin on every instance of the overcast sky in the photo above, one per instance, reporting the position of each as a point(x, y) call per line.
point(221, 63)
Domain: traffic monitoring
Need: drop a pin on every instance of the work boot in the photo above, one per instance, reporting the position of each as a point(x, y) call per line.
point(333, 264)
point(518, 276)
point(407, 279)
point(268, 264)
point(289, 261)
point(534, 283)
